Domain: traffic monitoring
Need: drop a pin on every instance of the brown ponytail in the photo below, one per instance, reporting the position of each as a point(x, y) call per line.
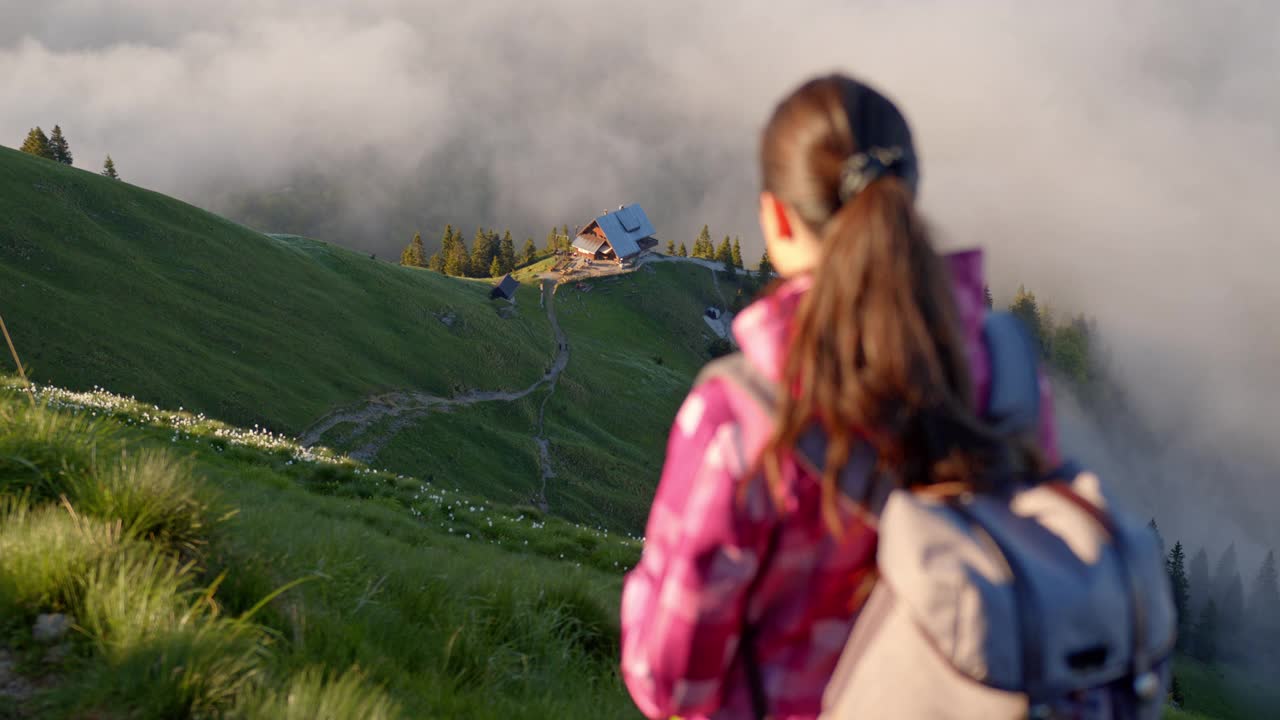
point(876, 353)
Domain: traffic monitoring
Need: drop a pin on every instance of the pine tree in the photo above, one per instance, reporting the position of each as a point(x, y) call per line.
point(671, 247)
point(417, 253)
point(730, 270)
point(1024, 307)
point(1264, 607)
point(986, 296)
point(702, 247)
point(1176, 566)
point(482, 253)
point(1175, 693)
point(1223, 572)
point(737, 253)
point(507, 253)
point(446, 240)
point(495, 267)
point(1198, 581)
point(530, 252)
point(109, 169)
point(37, 143)
point(457, 261)
point(553, 243)
point(59, 150)
point(1228, 595)
point(436, 261)
point(1206, 635)
point(765, 268)
point(683, 251)
point(724, 251)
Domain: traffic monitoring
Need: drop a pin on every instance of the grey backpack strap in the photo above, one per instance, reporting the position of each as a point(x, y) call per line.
point(856, 478)
point(1013, 406)
point(739, 371)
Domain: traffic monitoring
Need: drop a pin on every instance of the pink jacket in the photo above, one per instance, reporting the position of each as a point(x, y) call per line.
point(684, 605)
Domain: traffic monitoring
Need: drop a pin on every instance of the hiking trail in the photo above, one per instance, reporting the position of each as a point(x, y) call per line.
point(402, 407)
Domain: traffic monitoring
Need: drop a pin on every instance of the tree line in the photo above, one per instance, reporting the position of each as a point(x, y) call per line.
point(489, 256)
point(1217, 619)
point(56, 148)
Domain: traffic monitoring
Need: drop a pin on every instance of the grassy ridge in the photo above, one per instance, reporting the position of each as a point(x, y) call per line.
point(418, 601)
point(104, 283)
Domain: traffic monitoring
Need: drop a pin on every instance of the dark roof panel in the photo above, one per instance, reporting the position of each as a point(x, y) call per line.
point(506, 287)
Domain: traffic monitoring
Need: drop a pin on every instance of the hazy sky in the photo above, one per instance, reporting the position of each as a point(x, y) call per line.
point(1117, 157)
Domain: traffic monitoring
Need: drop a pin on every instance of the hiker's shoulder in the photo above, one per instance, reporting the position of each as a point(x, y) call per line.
point(730, 391)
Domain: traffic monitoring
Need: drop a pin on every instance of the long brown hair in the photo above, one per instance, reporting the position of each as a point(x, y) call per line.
point(876, 353)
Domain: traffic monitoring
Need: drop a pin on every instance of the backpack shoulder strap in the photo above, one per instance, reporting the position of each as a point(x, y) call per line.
point(737, 370)
point(1013, 406)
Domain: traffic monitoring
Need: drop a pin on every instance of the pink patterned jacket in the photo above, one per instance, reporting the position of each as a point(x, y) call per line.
point(685, 603)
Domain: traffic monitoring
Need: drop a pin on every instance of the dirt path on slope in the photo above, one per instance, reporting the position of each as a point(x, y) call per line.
point(402, 407)
point(726, 317)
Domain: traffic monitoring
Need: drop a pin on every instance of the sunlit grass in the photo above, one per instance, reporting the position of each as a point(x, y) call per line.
point(161, 534)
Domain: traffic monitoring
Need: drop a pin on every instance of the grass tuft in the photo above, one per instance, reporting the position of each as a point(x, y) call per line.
point(153, 495)
point(45, 551)
point(314, 694)
point(40, 449)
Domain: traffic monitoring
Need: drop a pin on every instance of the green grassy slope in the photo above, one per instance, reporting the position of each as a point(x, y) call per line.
point(637, 342)
point(418, 600)
point(103, 283)
point(106, 284)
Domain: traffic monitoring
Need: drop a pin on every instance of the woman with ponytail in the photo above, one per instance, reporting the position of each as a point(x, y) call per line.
point(756, 561)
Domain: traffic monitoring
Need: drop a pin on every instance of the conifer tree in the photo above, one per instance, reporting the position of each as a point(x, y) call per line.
point(481, 253)
point(530, 252)
point(457, 261)
point(446, 240)
point(1228, 594)
point(671, 247)
point(1176, 565)
point(1223, 572)
point(566, 239)
point(737, 253)
point(507, 253)
point(1024, 307)
point(37, 143)
point(59, 150)
point(436, 261)
point(495, 267)
point(109, 169)
point(986, 296)
point(683, 251)
point(1264, 607)
point(1198, 582)
point(417, 253)
point(1232, 608)
point(730, 270)
point(724, 253)
point(702, 247)
point(765, 268)
point(1206, 635)
point(552, 244)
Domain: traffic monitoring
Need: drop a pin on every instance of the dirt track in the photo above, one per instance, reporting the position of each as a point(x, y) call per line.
point(404, 406)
